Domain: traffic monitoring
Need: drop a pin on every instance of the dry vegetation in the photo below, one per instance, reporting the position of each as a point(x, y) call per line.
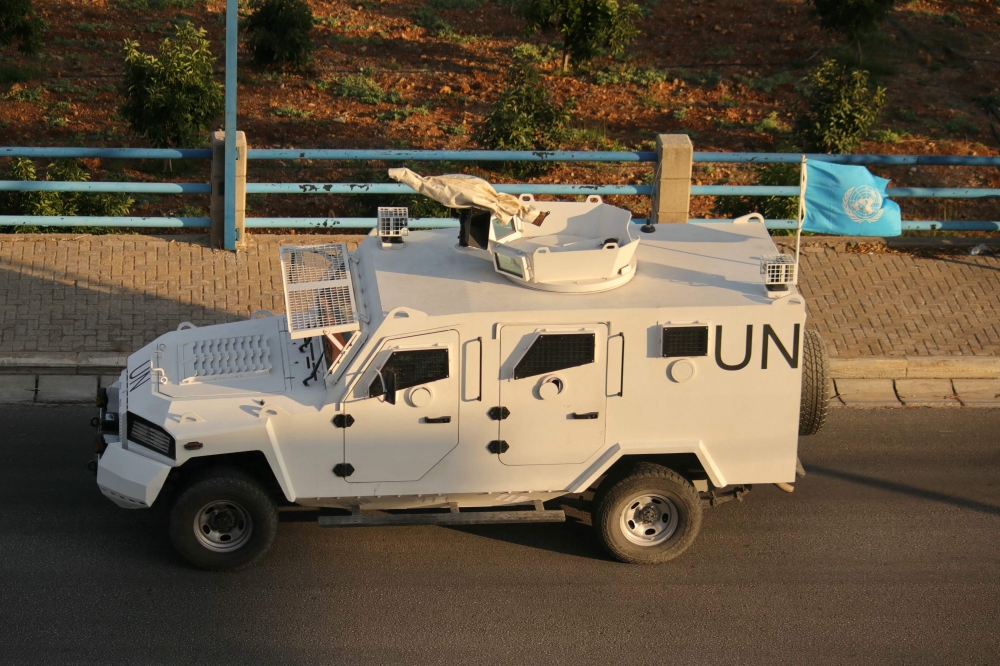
point(724, 71)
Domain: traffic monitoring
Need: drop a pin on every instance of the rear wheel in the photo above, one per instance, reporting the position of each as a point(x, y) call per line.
point(651, 515)
point(223, 521)
point(815, 384)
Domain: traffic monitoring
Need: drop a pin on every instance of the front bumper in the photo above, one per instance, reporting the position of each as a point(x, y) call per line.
point(128, 479)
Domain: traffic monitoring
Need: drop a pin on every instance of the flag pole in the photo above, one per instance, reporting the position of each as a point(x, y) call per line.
point(802, 215)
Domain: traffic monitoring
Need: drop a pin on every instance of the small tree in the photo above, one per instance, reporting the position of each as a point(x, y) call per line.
point(840, 108)
point(852, 18)
point(171, 100)
point(587, 26)
point(524, 117)
point(278, 33)
point(19, 23)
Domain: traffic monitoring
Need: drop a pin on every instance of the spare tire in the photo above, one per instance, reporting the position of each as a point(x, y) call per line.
point(815, 384)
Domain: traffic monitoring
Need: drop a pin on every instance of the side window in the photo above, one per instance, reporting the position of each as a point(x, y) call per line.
point(413, 368)
point(556, 351)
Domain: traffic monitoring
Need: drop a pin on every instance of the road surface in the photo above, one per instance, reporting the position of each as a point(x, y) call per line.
point(887, 552)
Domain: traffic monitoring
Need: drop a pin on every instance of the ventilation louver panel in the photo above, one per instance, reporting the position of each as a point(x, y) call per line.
point(226, 357)
point(685, 341)
point(319, 296)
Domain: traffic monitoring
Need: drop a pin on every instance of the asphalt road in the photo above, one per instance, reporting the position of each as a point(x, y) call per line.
point(887, 552)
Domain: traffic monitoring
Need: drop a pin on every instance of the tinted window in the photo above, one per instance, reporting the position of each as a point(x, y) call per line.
point(685, 341)
point(413, 368)
point(556, 351)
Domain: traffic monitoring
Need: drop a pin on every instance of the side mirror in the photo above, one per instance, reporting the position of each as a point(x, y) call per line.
point(389, 386)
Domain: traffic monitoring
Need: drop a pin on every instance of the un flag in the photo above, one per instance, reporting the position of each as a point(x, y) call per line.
point(848, 200)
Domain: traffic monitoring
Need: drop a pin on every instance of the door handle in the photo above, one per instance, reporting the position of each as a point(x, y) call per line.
point(440, 419)
point(586, 415)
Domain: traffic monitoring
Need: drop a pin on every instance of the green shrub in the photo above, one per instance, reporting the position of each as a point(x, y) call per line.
point(365, 89)
point(172, 100)
point(20, 94)
point(19, 23)
point(59, 203)
point(524, 117)
point(840, 108)
point(588, 27)
point(278, 33)
point(852, 18)
point(772, 123)
point(772, 208)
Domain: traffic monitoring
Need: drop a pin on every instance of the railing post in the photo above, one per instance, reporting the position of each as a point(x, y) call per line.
point(219, 207)
point(672, 186)
point(230, 235)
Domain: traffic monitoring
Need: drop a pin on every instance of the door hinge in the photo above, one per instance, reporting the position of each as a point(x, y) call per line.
point(498, 413)
point(343, 469)
point(497, 446)
point(343, 420)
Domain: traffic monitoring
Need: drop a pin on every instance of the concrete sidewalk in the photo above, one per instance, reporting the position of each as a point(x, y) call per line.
point(75, 304)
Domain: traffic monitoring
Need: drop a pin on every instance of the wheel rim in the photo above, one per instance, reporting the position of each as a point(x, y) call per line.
point(222, 526)
point(649, 520)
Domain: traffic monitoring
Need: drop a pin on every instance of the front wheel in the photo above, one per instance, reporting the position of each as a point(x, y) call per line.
point(651, 515)
point(223, 521)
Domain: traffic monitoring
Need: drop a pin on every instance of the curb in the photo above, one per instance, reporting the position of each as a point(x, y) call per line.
point(877, 367)
point(916, 367)
point(926, 381)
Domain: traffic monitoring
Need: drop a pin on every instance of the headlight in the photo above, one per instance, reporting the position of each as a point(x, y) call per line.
point(150, 435)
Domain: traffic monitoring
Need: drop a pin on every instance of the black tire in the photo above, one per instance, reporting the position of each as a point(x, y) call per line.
point(230, 499)
point(815, 384)
point(643, 480)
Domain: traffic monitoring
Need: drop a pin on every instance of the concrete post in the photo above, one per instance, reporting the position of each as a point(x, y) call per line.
point(672, 197)
point(218, 188)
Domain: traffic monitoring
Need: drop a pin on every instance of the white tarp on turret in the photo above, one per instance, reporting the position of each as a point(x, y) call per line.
point(461, 191)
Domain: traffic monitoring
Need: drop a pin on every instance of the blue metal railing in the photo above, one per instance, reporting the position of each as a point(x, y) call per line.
point(463, 156)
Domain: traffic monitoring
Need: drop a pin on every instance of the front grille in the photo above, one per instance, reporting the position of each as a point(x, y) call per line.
point(150, 435)
point(685, 341)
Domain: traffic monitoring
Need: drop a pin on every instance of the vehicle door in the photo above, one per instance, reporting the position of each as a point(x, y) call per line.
point(401, 437)
point(552, 393)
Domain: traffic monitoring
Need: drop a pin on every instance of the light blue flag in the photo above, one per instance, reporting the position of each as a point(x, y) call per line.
point(848, 200)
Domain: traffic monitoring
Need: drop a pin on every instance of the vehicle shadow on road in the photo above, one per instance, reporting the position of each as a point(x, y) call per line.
point(574, 537)
point(893, 486)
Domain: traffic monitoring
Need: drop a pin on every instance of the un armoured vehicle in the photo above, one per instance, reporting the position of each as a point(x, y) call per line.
point(420, 381)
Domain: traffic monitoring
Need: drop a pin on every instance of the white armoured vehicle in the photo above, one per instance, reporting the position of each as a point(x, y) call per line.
point(420, 381)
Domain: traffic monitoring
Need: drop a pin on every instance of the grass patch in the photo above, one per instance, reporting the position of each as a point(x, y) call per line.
point(19, 94)
point(889, 136)
point(764, 84)
point(628, 74)
point(365, 89)
point(19, 74)
point(709, 77)
point(93, 27)
point(290, 112)
point(772, 124)
point(466, 5)
point(403, 113)
point(63, 86)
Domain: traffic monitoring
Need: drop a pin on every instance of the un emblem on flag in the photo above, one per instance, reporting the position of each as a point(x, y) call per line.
point(863, 203)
